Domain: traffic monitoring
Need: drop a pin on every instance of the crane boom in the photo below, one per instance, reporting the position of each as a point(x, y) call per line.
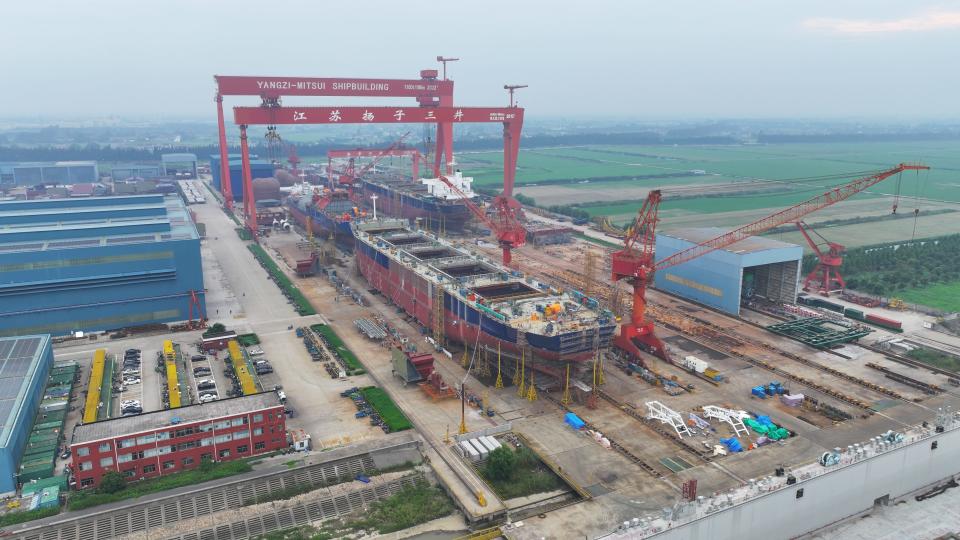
point(635, 262)
point(789, 215)
point(509, 231)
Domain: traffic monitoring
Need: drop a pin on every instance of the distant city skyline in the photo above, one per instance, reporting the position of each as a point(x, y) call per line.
point(871, 60)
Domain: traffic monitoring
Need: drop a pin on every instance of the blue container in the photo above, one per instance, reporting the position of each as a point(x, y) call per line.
point(574, 421)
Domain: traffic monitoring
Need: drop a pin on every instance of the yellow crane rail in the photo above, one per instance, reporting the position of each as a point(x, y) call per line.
point(93, 389)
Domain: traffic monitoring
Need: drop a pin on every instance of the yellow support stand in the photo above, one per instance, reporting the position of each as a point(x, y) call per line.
point(531, 389)
point(522, 387)
point(566, 388)
point(465, 362)
point(446, 436)
point(599, 368)
point(499, 383)
point(516, 373)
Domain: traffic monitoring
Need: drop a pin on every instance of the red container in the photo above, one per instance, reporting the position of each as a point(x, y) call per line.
point(883, 321)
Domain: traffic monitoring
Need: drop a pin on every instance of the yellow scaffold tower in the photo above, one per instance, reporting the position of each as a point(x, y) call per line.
point(566, 388)
point(522, 387)
point(499, 383)
point(531, 388)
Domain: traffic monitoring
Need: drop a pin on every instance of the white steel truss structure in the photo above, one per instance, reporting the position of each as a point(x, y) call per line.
point(666, 415)
point(730, 416)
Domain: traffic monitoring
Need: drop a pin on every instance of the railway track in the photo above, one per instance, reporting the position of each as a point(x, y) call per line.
point(704, 456)
point(741, 341)
point(929, 389)
point(633, 458)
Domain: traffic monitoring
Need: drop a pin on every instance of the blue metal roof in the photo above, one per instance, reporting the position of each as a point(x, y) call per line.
point(19, 360)
point(74, 223)
point(748, 245)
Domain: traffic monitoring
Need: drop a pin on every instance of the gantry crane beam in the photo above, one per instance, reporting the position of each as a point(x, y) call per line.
point(428, 90)
point(510, 117)
point(635, 262)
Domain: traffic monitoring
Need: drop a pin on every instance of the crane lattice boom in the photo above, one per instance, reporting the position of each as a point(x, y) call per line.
point(636, 261)
point(507, 227)
point(789, 215)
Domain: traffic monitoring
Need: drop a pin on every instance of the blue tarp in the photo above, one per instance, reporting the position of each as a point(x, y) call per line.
point(573, 421)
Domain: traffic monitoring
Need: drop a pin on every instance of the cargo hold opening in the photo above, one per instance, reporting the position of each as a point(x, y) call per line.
point(514, 290)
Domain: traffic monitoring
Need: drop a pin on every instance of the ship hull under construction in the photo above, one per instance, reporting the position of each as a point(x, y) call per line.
point(434, 214)
point(322, 224)
point(474, 309)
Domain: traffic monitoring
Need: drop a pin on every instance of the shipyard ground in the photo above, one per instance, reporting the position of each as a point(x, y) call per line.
point(241, 296)
point(620, 488)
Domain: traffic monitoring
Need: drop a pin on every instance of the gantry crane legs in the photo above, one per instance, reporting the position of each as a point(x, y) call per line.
point(827, 271)
point(636, 261)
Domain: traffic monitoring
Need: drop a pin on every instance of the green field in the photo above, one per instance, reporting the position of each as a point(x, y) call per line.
point(945, 296)
point(730, 163)
point(386, 408)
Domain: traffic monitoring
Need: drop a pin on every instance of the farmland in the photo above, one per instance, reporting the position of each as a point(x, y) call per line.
point(731, 185)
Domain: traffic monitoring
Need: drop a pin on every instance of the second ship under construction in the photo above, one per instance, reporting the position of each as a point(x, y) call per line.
point(478, 302)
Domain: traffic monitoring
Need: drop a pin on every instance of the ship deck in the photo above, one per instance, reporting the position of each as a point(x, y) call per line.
point(472, 278)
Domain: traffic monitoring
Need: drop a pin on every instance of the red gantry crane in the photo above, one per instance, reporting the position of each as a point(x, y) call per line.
point(508, 209)
point(428, 91)
point(636, 263)
point(826, 275)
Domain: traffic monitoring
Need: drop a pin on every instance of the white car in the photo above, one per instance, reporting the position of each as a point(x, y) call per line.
point(206, 398)
point(129, 402)
point(132, 380)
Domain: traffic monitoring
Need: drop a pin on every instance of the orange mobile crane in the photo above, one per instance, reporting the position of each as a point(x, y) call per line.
point(636, 263)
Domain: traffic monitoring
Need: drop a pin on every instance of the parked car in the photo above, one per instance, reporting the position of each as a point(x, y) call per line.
point(198, 358)
point(65, 454)
point(132, 380)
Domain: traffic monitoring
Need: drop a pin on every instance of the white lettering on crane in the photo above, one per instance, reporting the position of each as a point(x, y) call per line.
point(334, 116)
point(399, 114)
point(297, 116)
point(458, 115)
point(367, 116)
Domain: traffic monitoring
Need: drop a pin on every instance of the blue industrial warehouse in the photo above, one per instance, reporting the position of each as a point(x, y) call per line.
point(124, 171)
point(754, 267)
point(25, 362)
point(97, 263)
point(258, 169)
point(60, 172)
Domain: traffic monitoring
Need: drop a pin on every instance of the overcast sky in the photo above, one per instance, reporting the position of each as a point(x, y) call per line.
point(662, 59)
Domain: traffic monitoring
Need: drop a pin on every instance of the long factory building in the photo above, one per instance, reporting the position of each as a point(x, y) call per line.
point(723, 279)
point(98, 263)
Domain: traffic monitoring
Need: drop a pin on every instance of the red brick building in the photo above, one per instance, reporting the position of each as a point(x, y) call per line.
point(164, 442)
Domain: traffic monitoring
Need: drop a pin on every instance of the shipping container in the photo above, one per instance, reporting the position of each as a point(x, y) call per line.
point(853, 313)
point(695, 364)
point(885, 322)
point(496, 444)
point(712, 373)
point(469, 451)
point(480, 448)
point(486, 444)
point(831, 306)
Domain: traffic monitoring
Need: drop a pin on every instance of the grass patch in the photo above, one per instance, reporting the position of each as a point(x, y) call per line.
point(410, 506)
point(527, 475)
point(936, 358)
point(12, 518)
point(386, 408)
point(289, 289)
point(88, 499)
point(338, 347)
point(248, 340)
point(243, 233)
point(945, 296)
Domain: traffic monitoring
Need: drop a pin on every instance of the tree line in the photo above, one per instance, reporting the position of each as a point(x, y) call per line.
point(887, 268)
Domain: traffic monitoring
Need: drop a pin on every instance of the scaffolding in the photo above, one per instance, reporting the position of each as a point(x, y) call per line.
point(438, 315)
